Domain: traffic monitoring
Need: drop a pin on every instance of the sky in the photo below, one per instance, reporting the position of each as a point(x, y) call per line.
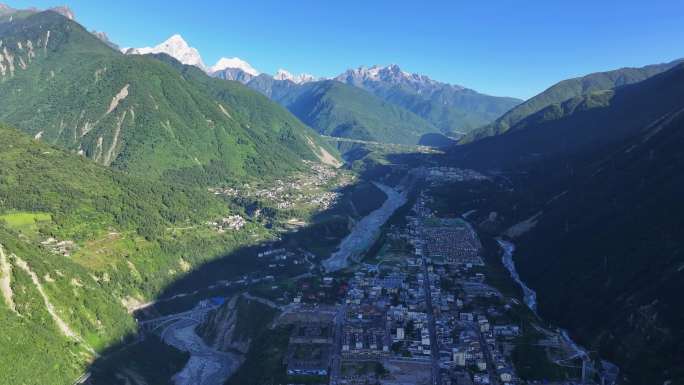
point(500, 47)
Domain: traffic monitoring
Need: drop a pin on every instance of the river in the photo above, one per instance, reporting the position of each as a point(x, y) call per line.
point(607, 370)
point(529, 295)
point(366, 230)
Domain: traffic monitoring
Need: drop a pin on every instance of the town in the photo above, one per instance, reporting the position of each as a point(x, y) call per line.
point(401, 321)
point(419, 312)
point(419, 307)
point(314, 188)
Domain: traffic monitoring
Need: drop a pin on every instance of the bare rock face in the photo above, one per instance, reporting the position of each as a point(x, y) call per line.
point(218, 329)
point(64, 11)
point(233, 326)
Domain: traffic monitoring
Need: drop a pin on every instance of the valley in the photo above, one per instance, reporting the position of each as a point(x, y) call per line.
point(168, 221)
point(440, 255)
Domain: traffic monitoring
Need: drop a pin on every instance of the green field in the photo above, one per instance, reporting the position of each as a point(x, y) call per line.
point(25, 222)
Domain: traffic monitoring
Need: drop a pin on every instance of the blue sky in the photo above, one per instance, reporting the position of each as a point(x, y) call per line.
point(500, 47)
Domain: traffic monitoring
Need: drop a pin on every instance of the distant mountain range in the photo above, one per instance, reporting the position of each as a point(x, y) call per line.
point(442, 108)
point(454, 109)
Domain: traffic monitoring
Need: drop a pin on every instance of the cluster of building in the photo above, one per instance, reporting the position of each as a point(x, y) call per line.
point(310, 188)
point(452, 174)
point(431, 308)
point(451, 241)
point(310, 348)
point(364, 332)
point(231, 222)
point(469, 315)
point(56, 246)
point(279, 258)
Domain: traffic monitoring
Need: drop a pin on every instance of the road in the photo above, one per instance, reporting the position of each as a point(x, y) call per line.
point(336, 363)
point(434, 345)
point(493, 379)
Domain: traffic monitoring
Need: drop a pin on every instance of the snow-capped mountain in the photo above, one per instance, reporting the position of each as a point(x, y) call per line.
point(176, 47)
point(233, 69)
point(233, 63)
point(297, 79)
point(452, 108)
point(391, 74)
point(229, 68)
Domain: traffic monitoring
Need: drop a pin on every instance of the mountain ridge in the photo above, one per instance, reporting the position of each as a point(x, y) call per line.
point(136, 113)
point(568, 89)
point(452, 108)
point(592, 171)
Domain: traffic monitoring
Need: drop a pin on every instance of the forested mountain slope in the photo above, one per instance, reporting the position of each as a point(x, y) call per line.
point(569, 89)
point(455, 110)
point(607, 255)
point(65, 86)
point(336, 109)
point(80, 244)
point(580, 124)
point(600, 177)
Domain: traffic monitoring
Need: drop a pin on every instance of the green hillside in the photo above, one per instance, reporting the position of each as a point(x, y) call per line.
point(94, 240)
point(569, 89)
point(579, 124)
point(601, 176)
point(453, 111)
point(65, 86)
point(269, 122)
point(337, 109)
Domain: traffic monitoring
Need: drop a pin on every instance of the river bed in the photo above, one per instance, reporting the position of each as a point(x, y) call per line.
point(206, 366)
point(366, 230)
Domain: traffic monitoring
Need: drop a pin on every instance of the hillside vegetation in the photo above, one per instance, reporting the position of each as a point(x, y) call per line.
point(65, 86)
point(569, 89)
point(81, 245)
point(340, 110)
point(597, 180)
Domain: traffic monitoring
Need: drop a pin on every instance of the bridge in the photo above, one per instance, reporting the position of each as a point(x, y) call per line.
point(198, 314)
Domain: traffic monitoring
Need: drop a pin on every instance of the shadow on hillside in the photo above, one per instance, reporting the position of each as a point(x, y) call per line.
point(240, 269)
